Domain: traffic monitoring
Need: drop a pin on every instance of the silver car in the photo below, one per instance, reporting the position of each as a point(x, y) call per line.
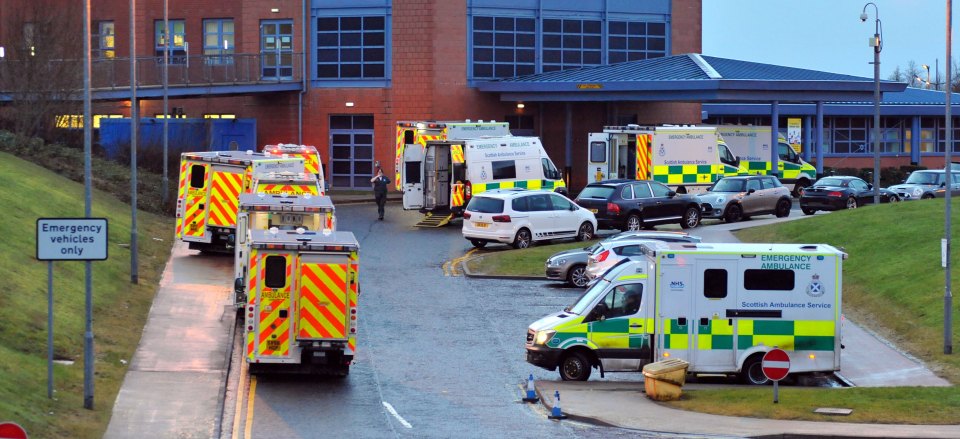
point(735, 198)
point(610, 253)
point(926, 184)
point(570, 265)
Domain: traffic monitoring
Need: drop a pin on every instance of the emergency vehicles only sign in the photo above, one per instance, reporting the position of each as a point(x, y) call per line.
point(71, 239)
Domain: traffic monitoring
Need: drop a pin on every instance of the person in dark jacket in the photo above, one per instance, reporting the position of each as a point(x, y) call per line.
point(380, 183)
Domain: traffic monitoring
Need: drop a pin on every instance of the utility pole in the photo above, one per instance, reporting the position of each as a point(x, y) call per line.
point(134, 121)
point(88, 356)
point(948, 291)
point(166, 115)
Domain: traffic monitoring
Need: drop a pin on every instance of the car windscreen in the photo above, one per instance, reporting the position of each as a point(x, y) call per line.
point(601, 192)
point(835, 182)
point(580, 306)
point(729, 185)
point(485, 205)
point(923, 178)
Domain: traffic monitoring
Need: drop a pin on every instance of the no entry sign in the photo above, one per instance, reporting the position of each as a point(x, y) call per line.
point(9, 430)
point(776, 364)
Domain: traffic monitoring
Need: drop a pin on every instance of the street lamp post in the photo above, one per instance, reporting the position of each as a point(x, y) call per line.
point(927, 68)
point(877, 43)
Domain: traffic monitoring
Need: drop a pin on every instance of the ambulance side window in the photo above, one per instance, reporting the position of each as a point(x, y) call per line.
point(197, 176)
point(623, 300)
point(504, 170)
point(715, 283)
point(275, 275)
point(549, 170)
point(775, 280)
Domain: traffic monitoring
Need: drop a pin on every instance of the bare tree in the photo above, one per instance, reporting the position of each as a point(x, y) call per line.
point(913, 72)
point(42, 69)
point(897, 75)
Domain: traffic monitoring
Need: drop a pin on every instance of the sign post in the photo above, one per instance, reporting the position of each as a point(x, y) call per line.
point(776, 366)
point(67, 239)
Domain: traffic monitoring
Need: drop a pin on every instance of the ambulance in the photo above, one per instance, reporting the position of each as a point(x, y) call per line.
point(719, 307)
point(686, 158)
point(415, 134)
point(752, 145)
point(448, 173)
point(311, 159)
point(290, 183)
point(301, 311)
point(262, 211)
point(209, 190)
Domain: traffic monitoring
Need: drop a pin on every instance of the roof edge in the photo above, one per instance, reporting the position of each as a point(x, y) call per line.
point(705, 66)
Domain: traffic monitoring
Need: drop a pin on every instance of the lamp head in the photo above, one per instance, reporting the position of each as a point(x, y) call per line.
point(863, 16)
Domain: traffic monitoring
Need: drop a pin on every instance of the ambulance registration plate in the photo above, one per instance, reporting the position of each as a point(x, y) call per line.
point(481, 225)
point(274, 294)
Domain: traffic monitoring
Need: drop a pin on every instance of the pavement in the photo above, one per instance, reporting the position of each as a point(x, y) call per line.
point(176, 382)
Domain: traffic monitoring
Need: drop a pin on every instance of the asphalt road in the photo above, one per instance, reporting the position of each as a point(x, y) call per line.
point(438, 356)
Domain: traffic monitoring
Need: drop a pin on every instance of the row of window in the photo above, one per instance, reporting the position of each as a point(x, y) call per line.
point(76, 120)
point(218, 40)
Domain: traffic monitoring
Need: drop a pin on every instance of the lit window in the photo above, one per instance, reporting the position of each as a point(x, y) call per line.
point(218, 41)
point(103, 43)
point(178, 50)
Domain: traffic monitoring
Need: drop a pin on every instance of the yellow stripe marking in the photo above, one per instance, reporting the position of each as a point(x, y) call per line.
point(248, 428)
point(239, 408)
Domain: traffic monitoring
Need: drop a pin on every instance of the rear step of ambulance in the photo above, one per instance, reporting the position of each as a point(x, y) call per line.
point(435, 220)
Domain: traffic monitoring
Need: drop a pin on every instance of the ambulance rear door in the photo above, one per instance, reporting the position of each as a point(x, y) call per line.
point(600, 156)
point(226, 186)
point(274, 312)
point(324, 302)
point(195, 206)
point(714, 292)
point(411, 173)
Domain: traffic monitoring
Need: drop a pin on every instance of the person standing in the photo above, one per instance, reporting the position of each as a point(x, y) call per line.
point(380, 183)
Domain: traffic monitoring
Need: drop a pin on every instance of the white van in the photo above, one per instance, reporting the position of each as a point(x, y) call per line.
point(446, 173)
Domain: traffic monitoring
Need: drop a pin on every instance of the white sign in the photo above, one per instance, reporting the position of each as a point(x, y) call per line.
point(71, 239)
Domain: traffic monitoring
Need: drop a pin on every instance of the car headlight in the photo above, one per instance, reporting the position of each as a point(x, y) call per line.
point(720, 201)
point(555, 262)
point(917, 191)
point(543, 337)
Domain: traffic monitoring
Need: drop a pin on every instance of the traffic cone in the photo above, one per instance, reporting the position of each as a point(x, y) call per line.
point(531, 392)
point(556, 413)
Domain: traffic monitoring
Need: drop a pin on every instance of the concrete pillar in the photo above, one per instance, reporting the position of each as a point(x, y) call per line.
point(915, 140)
point(819, 136)
point(775, 138)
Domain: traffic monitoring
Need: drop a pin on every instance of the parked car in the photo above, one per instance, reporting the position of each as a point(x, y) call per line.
point(519, 217)
point(926, 184)
point(636, 204)
point(610, 253)
point(841, 192)
point(569, 265)
point(737, 198)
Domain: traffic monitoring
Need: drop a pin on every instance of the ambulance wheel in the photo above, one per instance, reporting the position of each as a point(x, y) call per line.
point(478, 243)
point(783, 208)
point(575, 367)
point(633, 223)
point(577, 276)
point(752, 372)
point(799, 187)
point(691, 218)
point(734, 213)
point(585, 233)
point(523, 239)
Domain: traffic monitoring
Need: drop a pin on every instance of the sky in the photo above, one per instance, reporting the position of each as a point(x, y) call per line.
point(828, 35)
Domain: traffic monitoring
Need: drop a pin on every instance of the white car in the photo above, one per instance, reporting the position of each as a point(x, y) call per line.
point(609, 253)
point(519, 217)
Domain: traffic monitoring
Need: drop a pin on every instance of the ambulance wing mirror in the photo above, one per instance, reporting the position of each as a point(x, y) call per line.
point(238, 285)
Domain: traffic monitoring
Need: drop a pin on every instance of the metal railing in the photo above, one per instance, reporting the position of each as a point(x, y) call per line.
point(183, 71)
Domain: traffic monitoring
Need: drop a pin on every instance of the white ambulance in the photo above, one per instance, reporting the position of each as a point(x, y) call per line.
point(718, 306)
point(446, 173)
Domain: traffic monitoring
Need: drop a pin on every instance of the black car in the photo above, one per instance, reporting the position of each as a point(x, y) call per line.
point(841, 192)
point(636, 204)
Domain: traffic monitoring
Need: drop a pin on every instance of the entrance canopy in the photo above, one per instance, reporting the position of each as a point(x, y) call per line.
point(688, 78)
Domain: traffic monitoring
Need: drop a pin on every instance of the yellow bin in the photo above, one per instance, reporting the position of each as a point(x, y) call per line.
point(662, 380)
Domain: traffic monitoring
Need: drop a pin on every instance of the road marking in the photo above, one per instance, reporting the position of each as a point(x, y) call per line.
point(451, 265)
point(253, 391)
point(239, 408)
point(396, 415)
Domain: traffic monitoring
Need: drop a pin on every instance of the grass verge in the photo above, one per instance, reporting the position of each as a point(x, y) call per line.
point(505, 261)
point(119, 308)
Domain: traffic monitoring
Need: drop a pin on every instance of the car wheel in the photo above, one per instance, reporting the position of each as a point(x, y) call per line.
point(734, 213)
point(577, 276)
point(478, 243)
point(926, 196)
point(691, 218)
point(523, 239)
point(633, 223)
point(783, 208)
point(574, 367)
point(752, 372)
point(808, 211)
point(586, 232)
point(852, 203)
point(894, 199)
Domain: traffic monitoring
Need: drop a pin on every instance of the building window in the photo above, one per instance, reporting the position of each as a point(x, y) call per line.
point(351, 47)
point(520, 124)
point(178, 48)
point(351, 151)
point(632, 41)
point(218, 41)
point(850, 135)
point(928, 129)
point(103, 44)
point(891, 135)
point(97, 117)
point(69, 121)
point(504, 47)
point(219, 116)
point(942, 135)
point(569, 44)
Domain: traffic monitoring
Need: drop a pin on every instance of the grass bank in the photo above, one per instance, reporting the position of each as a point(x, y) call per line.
point(506, 261)
point(120, 309)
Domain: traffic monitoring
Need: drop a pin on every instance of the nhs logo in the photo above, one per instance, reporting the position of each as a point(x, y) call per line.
point(677, 285)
